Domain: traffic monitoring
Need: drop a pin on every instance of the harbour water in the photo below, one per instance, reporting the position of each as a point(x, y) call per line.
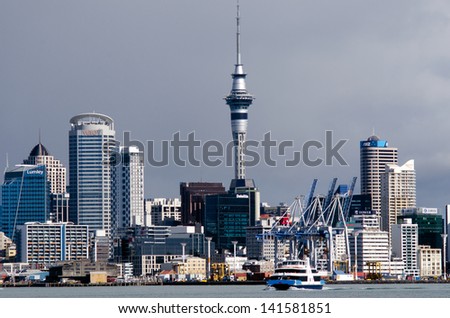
point(230, 291)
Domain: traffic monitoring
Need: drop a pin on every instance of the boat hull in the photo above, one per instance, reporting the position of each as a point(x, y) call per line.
point(285, 284)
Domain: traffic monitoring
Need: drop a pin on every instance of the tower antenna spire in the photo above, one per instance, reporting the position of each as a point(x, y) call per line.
point(7, 164)
point(238, 35)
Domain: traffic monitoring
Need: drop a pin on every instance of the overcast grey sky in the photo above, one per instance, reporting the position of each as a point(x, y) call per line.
point(158, 67)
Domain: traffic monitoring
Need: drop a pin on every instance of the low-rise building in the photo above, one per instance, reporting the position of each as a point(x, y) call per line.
point(259, 266)
point(98, 277)
point(150, 247)
point(80, 270)
point(4, 241)
point(48, 243)
point(163, 211)
point(429, 261)
point(125, 271)
point(7, 248)
point(189, 268)
point(260, 242)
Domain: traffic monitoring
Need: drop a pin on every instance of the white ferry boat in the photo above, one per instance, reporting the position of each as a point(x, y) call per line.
point(296, 274)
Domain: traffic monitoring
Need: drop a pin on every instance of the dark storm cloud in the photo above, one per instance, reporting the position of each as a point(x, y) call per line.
point(158, 67)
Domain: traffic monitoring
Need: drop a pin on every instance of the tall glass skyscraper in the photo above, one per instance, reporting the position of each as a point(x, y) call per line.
point(127, 188)
point(25, 197)
point(91, 141)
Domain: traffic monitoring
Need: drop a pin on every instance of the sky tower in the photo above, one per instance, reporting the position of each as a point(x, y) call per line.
point(239, 101)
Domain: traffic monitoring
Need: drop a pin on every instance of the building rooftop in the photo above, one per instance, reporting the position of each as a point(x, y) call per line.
point(39, 150)
point(91, 119)
point(373, 138)
point(21, 168)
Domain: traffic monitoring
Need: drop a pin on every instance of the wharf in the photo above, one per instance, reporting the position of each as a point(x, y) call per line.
point(387, 281)
point(215, 283)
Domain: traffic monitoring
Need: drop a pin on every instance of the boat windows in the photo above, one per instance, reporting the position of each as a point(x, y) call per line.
point(290, 270)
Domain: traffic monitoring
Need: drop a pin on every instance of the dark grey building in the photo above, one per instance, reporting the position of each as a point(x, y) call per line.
point(228, 215)
point(193, 199)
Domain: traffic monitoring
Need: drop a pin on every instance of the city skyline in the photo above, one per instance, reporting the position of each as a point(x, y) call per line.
point(351, 68)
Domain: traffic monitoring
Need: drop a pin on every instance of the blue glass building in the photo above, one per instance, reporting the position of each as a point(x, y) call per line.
point(25, 197)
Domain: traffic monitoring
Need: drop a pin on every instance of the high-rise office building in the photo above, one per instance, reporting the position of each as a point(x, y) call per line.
point(56, 172)
point(374, 155)
point(193, 199)
point(91, 142)
point(56, 175)
point(25, 197)
point(128, 188)
point(398, 191)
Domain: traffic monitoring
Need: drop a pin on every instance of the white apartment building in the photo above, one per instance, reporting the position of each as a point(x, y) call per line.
point(48, 243)
point(405, 244)
point(340, 247)
point(162, 210)
point(125, 271)
point(372, 246)
point(398, 191)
